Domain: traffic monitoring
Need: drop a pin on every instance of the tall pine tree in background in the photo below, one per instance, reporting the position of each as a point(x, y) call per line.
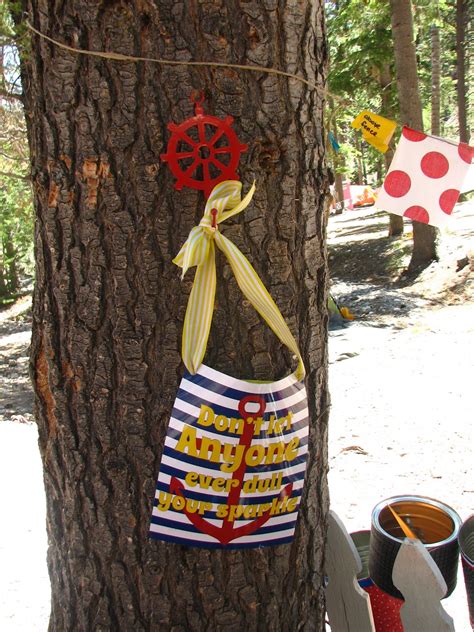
point(363, 72)
point(16, 224)
point(463, 18)
point(411, 114)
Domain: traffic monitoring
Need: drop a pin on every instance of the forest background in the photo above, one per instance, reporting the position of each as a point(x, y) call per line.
point(362, 75)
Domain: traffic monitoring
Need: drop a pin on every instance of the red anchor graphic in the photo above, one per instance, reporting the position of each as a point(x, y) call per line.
point(228, 532)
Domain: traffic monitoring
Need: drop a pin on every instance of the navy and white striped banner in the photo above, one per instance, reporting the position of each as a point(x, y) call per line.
point(233, 465)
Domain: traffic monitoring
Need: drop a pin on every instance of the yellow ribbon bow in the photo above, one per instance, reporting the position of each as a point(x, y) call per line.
point(198, 250)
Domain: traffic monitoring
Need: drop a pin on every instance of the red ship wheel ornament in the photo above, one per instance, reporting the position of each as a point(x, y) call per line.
point(205, 146)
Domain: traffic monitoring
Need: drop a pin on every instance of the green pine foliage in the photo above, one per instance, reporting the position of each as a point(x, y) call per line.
point(360, 43)
point(441, 14)
point(16, 208)
point(361, 53)
point(16, 232)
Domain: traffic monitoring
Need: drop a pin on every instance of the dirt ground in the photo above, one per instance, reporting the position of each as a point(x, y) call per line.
point(401, 373)
point(402, 400)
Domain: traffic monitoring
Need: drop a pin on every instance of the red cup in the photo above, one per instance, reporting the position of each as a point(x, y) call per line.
point(385, 608)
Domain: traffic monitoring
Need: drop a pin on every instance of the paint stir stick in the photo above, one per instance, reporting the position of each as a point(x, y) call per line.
point(403, 525)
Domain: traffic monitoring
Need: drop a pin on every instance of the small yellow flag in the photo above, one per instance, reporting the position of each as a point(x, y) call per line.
point(376, 129)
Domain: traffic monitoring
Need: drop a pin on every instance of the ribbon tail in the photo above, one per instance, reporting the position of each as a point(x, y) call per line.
point(194, 250)
point(238, 208)
point(198, 319)
point(254, 290)
point(179, 259)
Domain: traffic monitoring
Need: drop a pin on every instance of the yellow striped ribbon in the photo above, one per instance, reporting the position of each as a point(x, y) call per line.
point(199, 251)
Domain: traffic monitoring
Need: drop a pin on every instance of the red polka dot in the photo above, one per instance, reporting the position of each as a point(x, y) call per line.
point(448, 199)
point(417, 213)
point(466, 152)
point(434, 164)
point(412, 134)
point(397, 183)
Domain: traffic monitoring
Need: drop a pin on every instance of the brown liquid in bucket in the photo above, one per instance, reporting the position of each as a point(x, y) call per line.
point(436, 525)
point(429, 523)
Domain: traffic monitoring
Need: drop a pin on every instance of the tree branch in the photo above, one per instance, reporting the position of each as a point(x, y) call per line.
point(17, 176)
point(12, 158)
point(11, 95)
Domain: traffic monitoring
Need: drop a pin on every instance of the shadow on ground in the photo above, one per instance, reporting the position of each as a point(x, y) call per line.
point(374, 259)
point(367, 267)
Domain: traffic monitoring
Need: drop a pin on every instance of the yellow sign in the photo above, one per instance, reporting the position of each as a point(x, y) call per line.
point(376, 129)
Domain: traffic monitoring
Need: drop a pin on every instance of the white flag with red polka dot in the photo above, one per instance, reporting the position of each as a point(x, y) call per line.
point(425, 177)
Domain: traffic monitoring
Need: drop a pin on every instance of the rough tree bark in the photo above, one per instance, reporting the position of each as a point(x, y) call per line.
point(424, 236)
point(109, 304)
point(461, 21)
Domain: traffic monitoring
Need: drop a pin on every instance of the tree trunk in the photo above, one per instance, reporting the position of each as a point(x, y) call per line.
point(396, 221)
point(360, 170)
point(109, 304)
point(461, 20)
point(435, 82)
point(339, 188)
point(338, 160)
point(3, 284)
point(363, 164)
point(395, 227)
point(13, 280)
point(424, 236)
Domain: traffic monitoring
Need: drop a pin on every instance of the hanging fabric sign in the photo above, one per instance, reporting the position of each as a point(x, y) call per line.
point(234, 459)
point(468, 184)
point(425, 178)
point(233, 465)
point(376, 129)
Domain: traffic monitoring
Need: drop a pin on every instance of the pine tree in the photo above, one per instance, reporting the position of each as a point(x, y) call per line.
point(109, 304)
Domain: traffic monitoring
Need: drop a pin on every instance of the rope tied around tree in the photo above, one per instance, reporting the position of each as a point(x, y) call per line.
point(111, 55)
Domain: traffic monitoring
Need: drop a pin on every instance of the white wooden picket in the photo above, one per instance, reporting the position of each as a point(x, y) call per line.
point(415, 574)
point(420, 581)
point(347, 604)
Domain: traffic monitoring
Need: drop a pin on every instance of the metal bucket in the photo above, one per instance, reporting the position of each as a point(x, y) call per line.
point(466, 542)
point(361, 540)
point(436, 525)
